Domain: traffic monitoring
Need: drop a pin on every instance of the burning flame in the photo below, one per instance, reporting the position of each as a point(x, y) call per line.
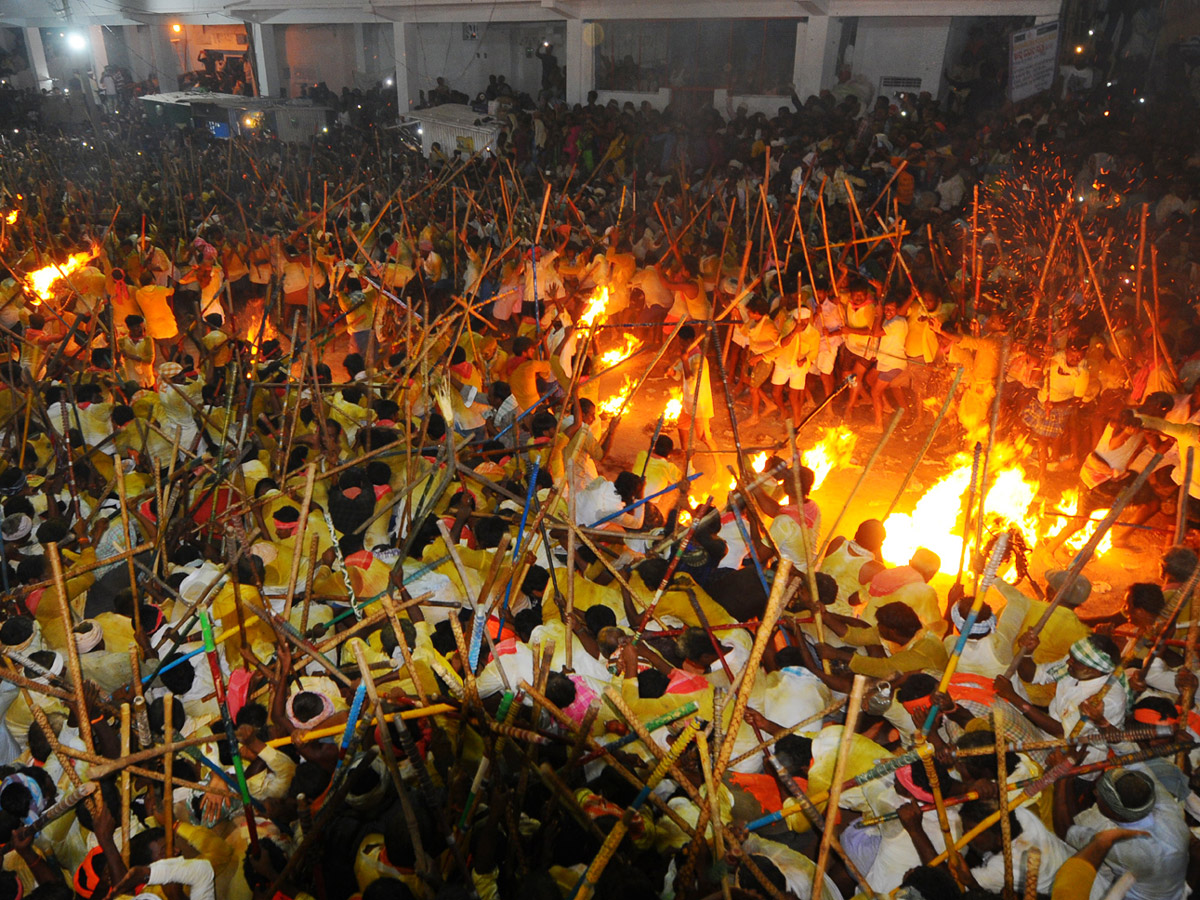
point(11, 217)
point(1069, 504)
point(673, 410)
point(758, 463)
point(41, 281)
point(612, 406)
point(936, 521)
point(620, 354)
point(597, 306)
point(832, 451)
point(256, 333)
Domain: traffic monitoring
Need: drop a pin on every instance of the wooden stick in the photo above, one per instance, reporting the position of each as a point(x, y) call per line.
point(774, 608)
point(423, 863)
point(925, 446)
point(1185, 492)
point(993, 427)
point(1085, 553)
point(68, 621)
point(714, 802)
point(169, 778)
point(126, 785)
point(810, 570)
point(139, 628)
point(887, 433)
point(298, 542)
point(853, 708)
point(1002, 799)
point(1087, 258)
point(569, 612)
point(1033, 866)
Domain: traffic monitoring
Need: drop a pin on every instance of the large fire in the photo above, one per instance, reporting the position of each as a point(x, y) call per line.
point(1069, 506)
point(936, 522)
point(41, 281)
point(833, 450)
point(619, 354)
point(256, 332)
point(596, 309)
point(673, 410)
point(612, 406)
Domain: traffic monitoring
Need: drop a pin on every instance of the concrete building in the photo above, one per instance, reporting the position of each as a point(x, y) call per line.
point(704, 51)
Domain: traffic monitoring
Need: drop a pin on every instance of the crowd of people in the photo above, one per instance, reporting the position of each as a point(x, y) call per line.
point(330, 571)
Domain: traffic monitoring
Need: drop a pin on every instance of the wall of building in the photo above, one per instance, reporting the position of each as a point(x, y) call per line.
point(311, 54)
point(910, 47)
point(499, 48)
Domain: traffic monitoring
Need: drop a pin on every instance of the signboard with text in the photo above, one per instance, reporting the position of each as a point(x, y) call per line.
point(1033, 59)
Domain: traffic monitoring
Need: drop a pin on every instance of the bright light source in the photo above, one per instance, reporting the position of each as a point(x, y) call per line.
point(249, 122)
point(420, 131)
point(1091, 31)
point(1141, 99)
point(1079, 48)
point(388, 81)
point(76, 41)
point(324, 129)
point(177, 28)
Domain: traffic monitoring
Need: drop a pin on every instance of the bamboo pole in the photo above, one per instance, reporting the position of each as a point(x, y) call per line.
point(1185, 492)
point(887, 433)
point(774, 608)
point(853, 708)
point(298, 541)
point(958, 374)
point(1085, 553)
point(169, 778)
point(68, 621)
point(1002, 799)
point(126, 785)
point(1033, 866)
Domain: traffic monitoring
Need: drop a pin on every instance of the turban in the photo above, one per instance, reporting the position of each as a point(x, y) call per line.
point(1116, 781)
point(905, 777)
point(325, 713)
point(979, 629)
point(55, 669)
point(1085, 651)
point(16, 528)
point(87, 879)
point(88, 635)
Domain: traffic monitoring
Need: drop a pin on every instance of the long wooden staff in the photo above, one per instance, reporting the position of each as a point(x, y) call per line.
point(887, 433)
point(853, 708)
point(1085, 553)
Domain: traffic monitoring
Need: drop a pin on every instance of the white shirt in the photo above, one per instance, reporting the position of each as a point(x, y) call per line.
point(196, 874)
point(1159, 862)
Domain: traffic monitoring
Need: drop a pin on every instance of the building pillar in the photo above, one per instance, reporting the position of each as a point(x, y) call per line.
point(266, 60)
point(360, 51)
point(37, 58)
point(813, 63)
point(580, 61)
point(165, 53)
point(404, 48)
